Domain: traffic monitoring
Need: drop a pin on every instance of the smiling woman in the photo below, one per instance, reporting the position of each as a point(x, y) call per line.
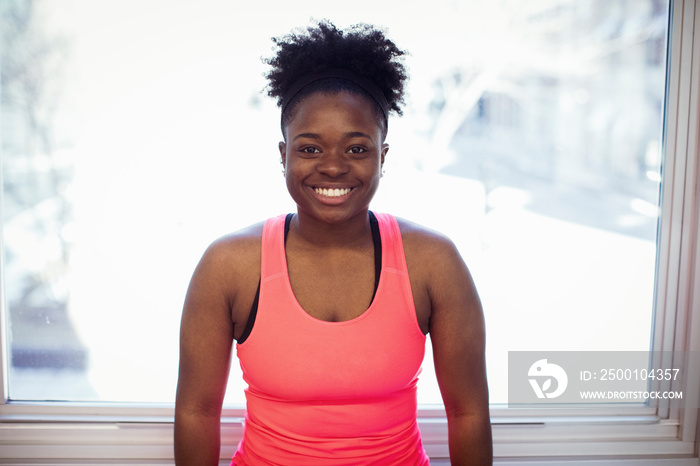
point(332, 341)
point(533, 135)
point(335, 156)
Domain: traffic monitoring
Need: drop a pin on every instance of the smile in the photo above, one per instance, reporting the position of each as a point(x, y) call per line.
point(336, 192)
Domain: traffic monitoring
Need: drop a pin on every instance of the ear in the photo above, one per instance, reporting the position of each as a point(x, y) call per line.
point(283, 153)
point(385, 149)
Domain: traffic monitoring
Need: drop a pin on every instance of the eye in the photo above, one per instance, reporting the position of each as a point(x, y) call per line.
point(357, 150)
point(309, 150)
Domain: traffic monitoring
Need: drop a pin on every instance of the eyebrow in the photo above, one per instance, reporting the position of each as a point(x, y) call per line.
point(351, 134)
point(307, 135)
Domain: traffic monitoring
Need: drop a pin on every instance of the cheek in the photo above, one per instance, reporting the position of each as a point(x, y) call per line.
point(377, 167)
point(373, 176)
point(289, 176)
point(294, 177)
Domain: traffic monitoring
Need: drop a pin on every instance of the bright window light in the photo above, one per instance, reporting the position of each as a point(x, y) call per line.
point(134, 133)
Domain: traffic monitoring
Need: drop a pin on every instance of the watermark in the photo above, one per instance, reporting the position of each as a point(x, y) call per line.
point(618, 395)
point(580, 378)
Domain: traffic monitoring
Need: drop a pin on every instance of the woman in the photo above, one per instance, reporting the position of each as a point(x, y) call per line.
point(330, 306)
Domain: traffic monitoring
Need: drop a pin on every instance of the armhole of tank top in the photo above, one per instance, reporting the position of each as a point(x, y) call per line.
point(376, 240)
point(254, 308)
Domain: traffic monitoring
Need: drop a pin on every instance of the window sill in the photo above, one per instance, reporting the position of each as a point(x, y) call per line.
point(147, 438)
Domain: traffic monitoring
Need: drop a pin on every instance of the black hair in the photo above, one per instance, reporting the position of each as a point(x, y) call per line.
point(362, 49)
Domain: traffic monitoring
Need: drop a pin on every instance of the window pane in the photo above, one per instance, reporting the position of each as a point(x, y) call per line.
point(135, 132)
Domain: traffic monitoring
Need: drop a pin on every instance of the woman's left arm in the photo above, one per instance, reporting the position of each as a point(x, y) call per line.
point(457, 333)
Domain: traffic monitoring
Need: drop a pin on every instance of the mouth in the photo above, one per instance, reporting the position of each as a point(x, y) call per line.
point(332, 192)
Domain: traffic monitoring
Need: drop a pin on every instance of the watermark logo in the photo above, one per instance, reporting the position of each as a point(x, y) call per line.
point(546, 372)
point(631, 379)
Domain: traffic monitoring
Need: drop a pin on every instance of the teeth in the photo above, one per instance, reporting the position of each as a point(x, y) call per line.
point(332, 192)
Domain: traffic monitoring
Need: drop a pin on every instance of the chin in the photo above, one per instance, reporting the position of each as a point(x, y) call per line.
point(332, 215)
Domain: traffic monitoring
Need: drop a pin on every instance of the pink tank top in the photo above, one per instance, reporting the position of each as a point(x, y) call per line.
point(332, 393)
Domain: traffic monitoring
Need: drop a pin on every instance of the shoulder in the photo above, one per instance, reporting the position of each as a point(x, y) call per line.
point(237, 245)
point(230, 259)
point(426, 245)
point(431, 257)
point(442, 285)
point(434, 263)
point(224, 282)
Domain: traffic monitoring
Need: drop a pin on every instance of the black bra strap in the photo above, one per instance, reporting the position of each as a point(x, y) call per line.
point(376, 239)
point(251, 318)
point(287, 225)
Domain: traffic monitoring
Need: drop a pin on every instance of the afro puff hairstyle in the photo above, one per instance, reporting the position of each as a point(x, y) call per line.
point(362, 49)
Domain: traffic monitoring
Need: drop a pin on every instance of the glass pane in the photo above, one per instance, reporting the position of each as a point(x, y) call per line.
point(135, 132)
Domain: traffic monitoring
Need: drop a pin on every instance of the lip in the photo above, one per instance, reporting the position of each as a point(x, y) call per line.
point(334, 199)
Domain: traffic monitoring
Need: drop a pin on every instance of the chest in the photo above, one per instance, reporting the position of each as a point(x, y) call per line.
point(342, 288)
point(333, 287)
point(293, 354)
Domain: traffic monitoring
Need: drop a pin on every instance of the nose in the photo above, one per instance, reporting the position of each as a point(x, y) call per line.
point(333, 163)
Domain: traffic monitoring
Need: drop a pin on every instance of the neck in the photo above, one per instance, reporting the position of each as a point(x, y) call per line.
point(343, 233)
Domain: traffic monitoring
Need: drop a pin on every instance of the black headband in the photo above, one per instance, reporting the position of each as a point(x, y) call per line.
point(364, 83)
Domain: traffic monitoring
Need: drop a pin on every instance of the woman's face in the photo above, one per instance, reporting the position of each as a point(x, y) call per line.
point(333, 156)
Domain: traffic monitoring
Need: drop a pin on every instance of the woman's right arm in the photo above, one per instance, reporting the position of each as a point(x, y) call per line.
point(206, 338)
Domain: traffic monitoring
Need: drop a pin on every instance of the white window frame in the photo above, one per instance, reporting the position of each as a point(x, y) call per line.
point(665, 433)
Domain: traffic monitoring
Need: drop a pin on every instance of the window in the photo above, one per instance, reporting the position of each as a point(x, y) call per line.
point(131, 133)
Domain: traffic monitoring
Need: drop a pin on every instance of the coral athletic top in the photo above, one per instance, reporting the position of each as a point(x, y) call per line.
point(332, 393)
